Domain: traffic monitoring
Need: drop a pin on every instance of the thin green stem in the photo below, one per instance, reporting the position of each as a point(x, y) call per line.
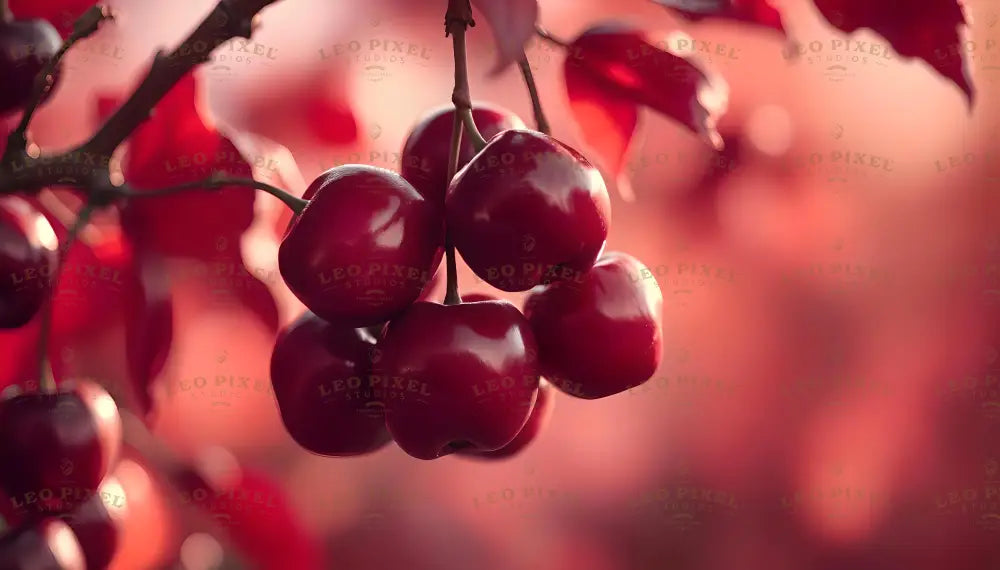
point(459, 17)
point(536, 103)
point(478, 142)
point(215, 182)
point(46, 381)
point(452, 295)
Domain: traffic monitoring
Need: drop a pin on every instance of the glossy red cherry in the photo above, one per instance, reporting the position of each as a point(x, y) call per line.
point(424, 161)
point(321, 374)
point(602, 335)
point(540, 413)
point(26, 46)
point(363, 248)
point(97, 523)
point(528, 210)
point(28, 258)
point(58, 444)
point(48, 545)
point(456, 376)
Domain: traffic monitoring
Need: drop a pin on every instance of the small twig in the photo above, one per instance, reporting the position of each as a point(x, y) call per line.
point(229, 19)
point(536, 103)
point(452, 295)
point(215, 182)
point(85, 26)
point(45, 378)
point(545, 35)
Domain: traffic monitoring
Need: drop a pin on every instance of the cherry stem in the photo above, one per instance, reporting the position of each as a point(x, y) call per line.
point(46, 380)
point(85, 26)
point(536, 102)
point(215, 182)
point(545, 35)
point(458, 18)
point(452, 295)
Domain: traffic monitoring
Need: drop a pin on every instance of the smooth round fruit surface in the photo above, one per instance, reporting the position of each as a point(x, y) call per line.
point(424, 161)
point(457, 376)
point(26, 46)
point(600, 336)
point(97, 523)
point(528, 210)
point(364, 248)
point(540, 413)
point(28, 260)
point(48, 545)
point(321, 373)
point(59, 445)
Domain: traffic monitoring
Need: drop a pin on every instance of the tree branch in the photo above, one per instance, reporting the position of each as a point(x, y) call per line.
point(229, 19)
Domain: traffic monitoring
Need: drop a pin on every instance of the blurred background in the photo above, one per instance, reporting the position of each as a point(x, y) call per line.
point(829, 395)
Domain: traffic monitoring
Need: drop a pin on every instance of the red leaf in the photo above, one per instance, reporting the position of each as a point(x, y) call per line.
point(60, 13)
point(753, 11)
point(178, 145)
point(513, 24)
point(310, 106)
point(928, 29)
point(608, 121)
point(149, 326)
point(257, 515)
point(611, 68)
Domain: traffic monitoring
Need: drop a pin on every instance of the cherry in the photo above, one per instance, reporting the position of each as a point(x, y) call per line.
point(97, 523)
point(363, 248)
point(424, 162)
point(540, 413)
point(58, 445)
point(48, 545)
point(26, 46)
point(601, 335)
point(321, 373)
point(456, 376)
point(528, 210)
point(28, 259)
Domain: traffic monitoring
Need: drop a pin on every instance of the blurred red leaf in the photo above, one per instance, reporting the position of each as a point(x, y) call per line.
point(149, 325)
point(513, 24)
point(179, 145)
point(256, 513)
point(608, 121)
point(611, 69)
point(311, 106)
point(752, 11)
point(60, 13)
point(928, 29)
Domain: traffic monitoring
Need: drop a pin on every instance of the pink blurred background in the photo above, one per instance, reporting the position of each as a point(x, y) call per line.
point(830, 390)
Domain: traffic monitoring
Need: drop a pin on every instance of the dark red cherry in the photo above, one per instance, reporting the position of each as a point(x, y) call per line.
point(28, 258)
point(97, 523)
point(58, 444)
point(540, 413)
point(456, 376)
point(528, 210)
point(26, 46)
point(602, 335)
point(48, 545)
point(424, 162)
point(363, 248)
point(321, 373)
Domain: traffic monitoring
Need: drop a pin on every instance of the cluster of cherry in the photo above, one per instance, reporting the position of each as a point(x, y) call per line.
point(373, 361)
